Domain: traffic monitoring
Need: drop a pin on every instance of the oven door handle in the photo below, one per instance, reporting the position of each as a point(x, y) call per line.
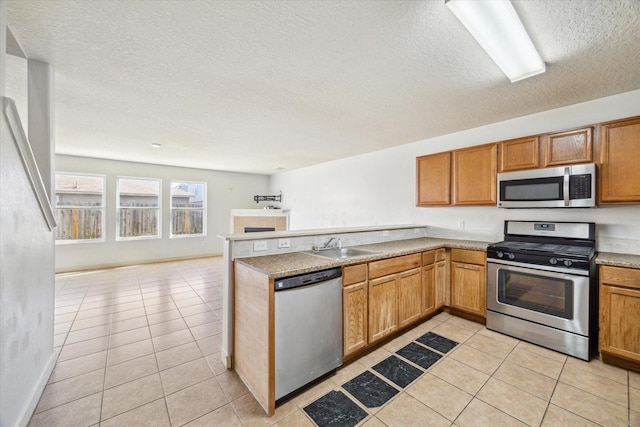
point(565, 185)
point(538, 267)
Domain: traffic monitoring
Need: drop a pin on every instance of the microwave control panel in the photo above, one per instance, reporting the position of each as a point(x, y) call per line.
point(580, 186)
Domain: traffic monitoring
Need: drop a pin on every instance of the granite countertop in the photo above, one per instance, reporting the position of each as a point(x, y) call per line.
point(618, 260)
point(294, 263)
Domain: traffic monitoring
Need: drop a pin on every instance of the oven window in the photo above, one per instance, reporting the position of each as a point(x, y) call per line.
point(538, 293)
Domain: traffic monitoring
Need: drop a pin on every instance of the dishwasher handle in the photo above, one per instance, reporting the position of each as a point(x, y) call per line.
point(307, 279)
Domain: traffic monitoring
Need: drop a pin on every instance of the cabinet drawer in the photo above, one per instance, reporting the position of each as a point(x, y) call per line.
point(394, 265)
point(354, 274)
point(619, 276)
point(441, 254)
point(428, 257)
point(468, 257)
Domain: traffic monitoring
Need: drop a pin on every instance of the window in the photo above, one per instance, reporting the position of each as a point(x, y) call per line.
point(188, 209)
point(79, 208)
point(138, 208)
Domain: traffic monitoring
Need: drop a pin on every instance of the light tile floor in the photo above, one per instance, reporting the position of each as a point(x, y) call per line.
point(139, 346)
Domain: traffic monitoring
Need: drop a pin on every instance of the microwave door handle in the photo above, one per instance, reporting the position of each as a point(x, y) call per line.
point(565, 187)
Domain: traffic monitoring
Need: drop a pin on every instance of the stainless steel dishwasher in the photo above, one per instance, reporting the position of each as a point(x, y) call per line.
point(308, 328)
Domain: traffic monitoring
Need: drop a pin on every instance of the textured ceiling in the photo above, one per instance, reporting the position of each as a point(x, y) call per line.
point(253, 86)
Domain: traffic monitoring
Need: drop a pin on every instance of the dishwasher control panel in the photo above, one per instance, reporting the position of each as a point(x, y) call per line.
point(307, 279)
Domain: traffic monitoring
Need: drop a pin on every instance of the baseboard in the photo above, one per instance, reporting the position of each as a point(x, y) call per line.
point(226, 360)
point(33, 400)
point(72, 270)
point(612, 359)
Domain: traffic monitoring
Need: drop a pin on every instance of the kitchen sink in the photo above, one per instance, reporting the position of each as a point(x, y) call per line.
point(341, 253)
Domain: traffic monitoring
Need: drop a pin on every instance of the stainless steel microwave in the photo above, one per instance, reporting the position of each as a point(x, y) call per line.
point(559, 187)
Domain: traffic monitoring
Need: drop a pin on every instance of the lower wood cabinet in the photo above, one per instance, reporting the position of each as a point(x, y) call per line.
point(620, 313)
point(409, 297)
point(468, 281)
point(434, 280)
point(381, 297)
point(441, 277)
point(395, 294)
point(355, 305)
point(383, 307)
point(429, 289)
point(354, 300)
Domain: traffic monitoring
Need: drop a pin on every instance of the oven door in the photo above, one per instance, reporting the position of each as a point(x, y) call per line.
point(556, 299)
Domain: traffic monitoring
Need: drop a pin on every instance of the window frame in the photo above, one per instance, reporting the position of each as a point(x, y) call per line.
point(203, 209)
point(102, 208)
point(119, 207)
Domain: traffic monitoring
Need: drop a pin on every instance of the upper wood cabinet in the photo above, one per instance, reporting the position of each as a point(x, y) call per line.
point(469, 174)
point(433, 176)
point(553, 149)
point(518, 154)
point(474, 175)
point(569, 147)
point(619, 160)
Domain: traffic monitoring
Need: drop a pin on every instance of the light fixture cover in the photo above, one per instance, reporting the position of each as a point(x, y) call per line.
point(497, 27)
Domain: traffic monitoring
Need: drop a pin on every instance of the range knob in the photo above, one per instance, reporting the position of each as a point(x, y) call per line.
point(499, 254)
point(553, 261)
point(567, 262)
point(511, 256)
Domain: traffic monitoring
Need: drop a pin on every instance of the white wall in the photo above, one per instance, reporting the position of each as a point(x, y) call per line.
point(379, 188)
point(225, 191)
point(26, 279)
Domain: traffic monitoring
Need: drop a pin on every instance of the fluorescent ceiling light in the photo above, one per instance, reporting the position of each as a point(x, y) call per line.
point(496, 26)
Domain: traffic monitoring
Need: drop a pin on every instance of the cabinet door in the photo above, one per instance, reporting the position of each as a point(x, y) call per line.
point(468, 288)
point(383, 307)
point(564, 148)
point(620, 157)
point(409, 297)
point(475, 175)
point(354, 302)
point(441, 284)
point(433, 176)
point(518, 154)
point(428, 289)
point(620, 322)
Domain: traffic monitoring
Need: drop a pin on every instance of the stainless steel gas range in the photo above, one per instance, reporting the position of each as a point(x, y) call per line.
point(542, 285)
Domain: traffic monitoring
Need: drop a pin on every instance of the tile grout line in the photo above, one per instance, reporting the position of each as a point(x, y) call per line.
point(104, 380)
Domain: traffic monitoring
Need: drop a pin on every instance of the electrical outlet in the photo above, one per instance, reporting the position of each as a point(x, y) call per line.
point(284, 243)
point(461, 225)
point(260, 246)
point(385, 233)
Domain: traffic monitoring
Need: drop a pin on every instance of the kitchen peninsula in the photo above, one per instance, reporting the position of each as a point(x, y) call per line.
point(398, 284)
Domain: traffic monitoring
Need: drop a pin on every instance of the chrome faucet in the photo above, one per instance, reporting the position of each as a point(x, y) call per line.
point(329, 244)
